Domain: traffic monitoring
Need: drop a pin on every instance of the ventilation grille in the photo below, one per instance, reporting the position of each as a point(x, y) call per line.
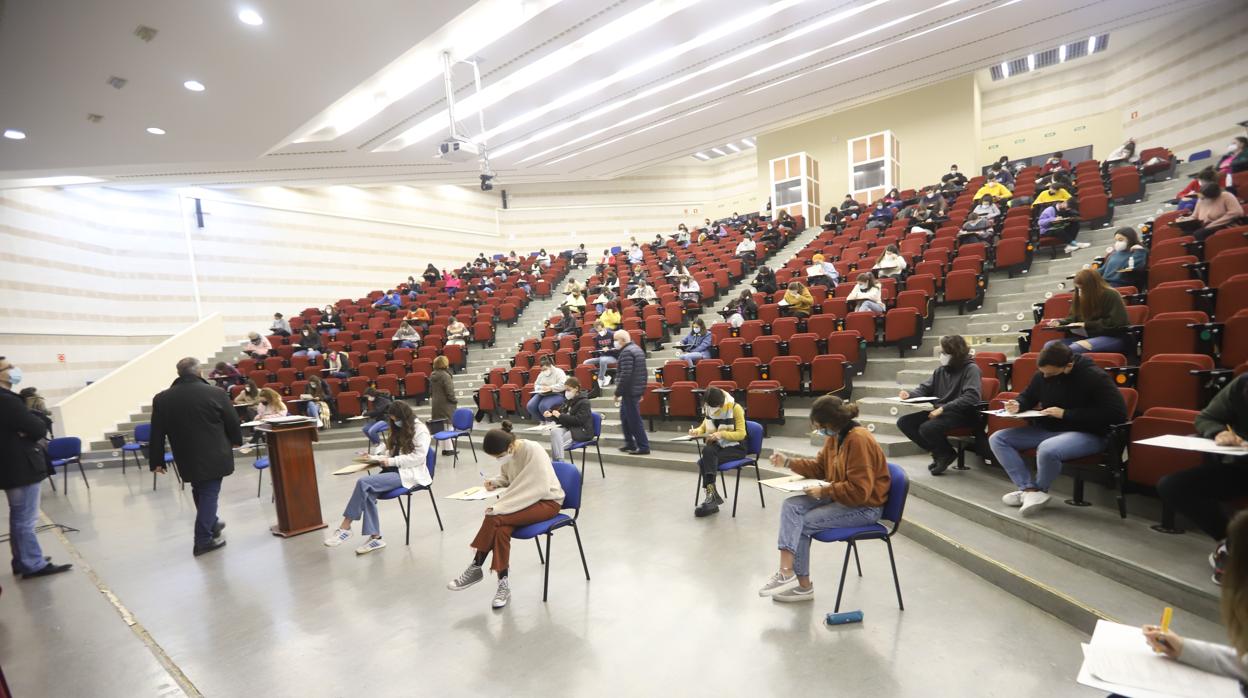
point(1050, 57)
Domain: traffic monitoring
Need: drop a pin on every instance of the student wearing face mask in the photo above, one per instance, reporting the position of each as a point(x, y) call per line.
point(1124, 259)
point(866, 295)
point(1051, 195)
point(1236, 157)
point(955, 385)
point(798, 302)
point(953, 175)
point(547, 389)
point(330, 322)
point(574, 420)
point(1097, 319)
point(1080, 403)
point(403, 464)
point(724, 429)
point(853, 465)
point(881, 216)
point(604, 345)
point(533, 495)
point(630, 385)
point(1215, 209)
point(696, 345)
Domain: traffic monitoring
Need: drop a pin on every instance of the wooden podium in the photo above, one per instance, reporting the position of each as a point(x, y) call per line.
point(293, 470)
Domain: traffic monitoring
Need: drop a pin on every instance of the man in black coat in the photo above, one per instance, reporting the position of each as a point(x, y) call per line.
point(23, 468)
point(202, 428)
point(630, 385)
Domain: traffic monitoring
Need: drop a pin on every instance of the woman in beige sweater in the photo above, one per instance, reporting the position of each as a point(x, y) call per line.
point(533, 494)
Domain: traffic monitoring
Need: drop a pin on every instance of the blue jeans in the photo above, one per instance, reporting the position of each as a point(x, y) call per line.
point(693, 357)
point(314, 410)
point(870, 306)
point(375, 430)
point(1101, 343)
point(340, 375)
point(23, 514)
point(205, 495)
point(631, 423)
point(1052, 447)
point(312, 354)
point(363, 502)
point(803, 516)
point(406, 344)
point(603, 363)
point(540, 403)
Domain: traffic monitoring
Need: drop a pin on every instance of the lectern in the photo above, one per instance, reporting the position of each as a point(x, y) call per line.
point(294, 478)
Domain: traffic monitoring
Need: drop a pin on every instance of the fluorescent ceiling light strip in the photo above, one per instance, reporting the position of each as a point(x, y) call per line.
point(638, 132)
point(734, 58)
point(476, 28)
point(732, 147)
point(748, 141)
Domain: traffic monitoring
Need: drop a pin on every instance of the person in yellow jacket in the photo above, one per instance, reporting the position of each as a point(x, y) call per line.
point(1051, 195)
point(994, 189)
point(797, 301)
point(724, 429)
point(610, 317)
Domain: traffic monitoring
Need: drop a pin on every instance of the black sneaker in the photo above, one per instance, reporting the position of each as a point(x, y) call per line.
point(209, 547)
point(48, 570)
point(627, 449)
point(217, 528)
point(940, 465)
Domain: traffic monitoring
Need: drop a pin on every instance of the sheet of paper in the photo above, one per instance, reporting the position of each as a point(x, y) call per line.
point(814, 270)
point(354, 468)
point(792, 483)
point(475, 494)
point(1020, 415)
point(1193, 443)
point(914, 400)
point(544, 428)
point(293, 419)
point(782, 302)
point(254, 423)
point(686, 437)
point(1119, 656)
point(1086, 678)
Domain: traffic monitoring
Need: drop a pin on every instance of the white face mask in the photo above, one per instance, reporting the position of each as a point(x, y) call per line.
point(944, 359)
point(1120, 245)
point(619, 344)
point(503, 459)
point(569, 393)
point(864, 286)
point(1232, 147)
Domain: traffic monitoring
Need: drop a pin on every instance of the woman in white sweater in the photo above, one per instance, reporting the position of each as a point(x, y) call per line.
point(407, 445)
point(533, 495)
point(866, 295)
point(547, 389)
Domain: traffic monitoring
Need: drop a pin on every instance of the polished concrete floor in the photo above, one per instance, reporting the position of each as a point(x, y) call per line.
point(672, 608)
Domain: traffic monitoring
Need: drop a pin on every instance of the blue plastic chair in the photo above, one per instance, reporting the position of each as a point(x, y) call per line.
point(616, 249)
point(461, 425)
point(570, 481)
point(583, 446)
point(1200, 155)
point(753, 450)
point(142, 435)
point(64, 452)
point(431, 462)
point(169, 463)
point(260, 464)
point(894, 507)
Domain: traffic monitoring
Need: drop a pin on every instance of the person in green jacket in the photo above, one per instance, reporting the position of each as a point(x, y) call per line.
point(1203, 494)
point(1098, 317)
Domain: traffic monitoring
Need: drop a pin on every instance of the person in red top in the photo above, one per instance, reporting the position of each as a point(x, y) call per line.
point(1186, 198)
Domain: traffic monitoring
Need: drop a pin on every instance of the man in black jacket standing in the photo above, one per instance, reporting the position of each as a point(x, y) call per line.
point(23, 468)
point(202, 428)
point(630, 385)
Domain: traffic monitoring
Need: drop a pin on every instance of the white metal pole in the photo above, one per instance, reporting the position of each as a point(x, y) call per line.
point(190, 256)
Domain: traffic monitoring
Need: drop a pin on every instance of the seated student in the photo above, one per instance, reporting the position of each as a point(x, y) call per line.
point(1080, 403)
point(543, 258)
point(330, 322)
point(257, 347)
point(934, 202)
point(1052, 194)
point(452, 283)
point(987, 208)
point(605, 354)
point(725, 432)
point(953, 177)
point(610, 314)
point(391, 301)
point(1203, 494)
point(1061, 220)
point(406, 337)
point(1056, 163)
point(832, 219)
point(742, 309)
point(581, 256)
point(419, 317)
point(797, 301)
point(1215, 209)
point(770, 235)
point(1101, 311)
point(573, 420)
point(307, 343)
point(689, 290)
point(225, 375)
point(533, 495)
point(881, 216)
point(995, 189)
point(280, 326)
point(850, 207)
point(575, 301)
point(636, 277)
point(1124, 258)
point(635, 255)
point(572, 286)
point(249, 397)
point(644, 293)
point(339, 364)
point(431, 274)
point(890, 264)
point(318, 399)
point(1236, 157)
point(655, 245)
point(268, 404)
point(956, 385)
point(981, 227)
point(412, 288)
point(547, 389)
point(403, 465)
point(682, 235)
point(605, 262)
point(765, 280)
point(696, 345)
point(747, 251)
point(1222, 660)
point(821, 272)
point(866, 295)
point(1000, 172)
point(1187, 197)
point(1121, 156)
point(565, 326)
point(853, 465)
point(457, 333)
point(377, 402)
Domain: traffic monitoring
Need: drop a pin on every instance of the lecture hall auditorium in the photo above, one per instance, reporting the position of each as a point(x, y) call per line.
point(316, 315)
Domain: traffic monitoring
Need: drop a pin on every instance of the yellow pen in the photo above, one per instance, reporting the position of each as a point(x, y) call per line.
point(1165, 619)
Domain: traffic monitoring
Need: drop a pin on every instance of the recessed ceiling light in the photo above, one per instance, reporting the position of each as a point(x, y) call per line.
point(250, 17)
point(1061, 53)
point(13, 134)
point(155, 131)
point(1031, 61)
point(194, 85)
point(732, 147)
point(748, 141)
point(717, 150)
point(702, 156)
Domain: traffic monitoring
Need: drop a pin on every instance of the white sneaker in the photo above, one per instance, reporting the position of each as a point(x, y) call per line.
point(1070, 248)
point(337, 538)
point(246, 449)
point(370, 546)
point(1082, 245)
point(1034, 502)
point(502, 595)
point(606, 380)
point(796, 594)
point(777, 583)
point(1013, 499)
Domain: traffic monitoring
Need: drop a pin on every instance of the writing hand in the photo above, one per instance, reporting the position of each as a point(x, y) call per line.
point(489, 486)
point(1011, 406)
point(1228, 438)
point(1053, 412)
point(904, 395)
point(1052, 323)
point(936, 413)
point(779, 460)
point(1167, 643)
point(813, 492)
point(162, 470)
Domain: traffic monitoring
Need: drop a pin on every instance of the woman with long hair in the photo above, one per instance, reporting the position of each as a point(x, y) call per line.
point(1124, 259)
point(853, 466)
point(866, 295)
point(403, 465)
point(955, 385)
point(442, 398)
point(1097, 318)
point(533, 495)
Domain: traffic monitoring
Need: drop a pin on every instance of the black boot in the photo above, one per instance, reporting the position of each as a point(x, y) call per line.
point(710, 505)
point(941, 463)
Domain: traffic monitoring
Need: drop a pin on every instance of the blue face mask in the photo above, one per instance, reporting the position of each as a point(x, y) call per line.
point(15, 375)
point(823, 432)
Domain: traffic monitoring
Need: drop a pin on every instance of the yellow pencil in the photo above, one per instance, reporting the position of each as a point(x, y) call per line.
point(1165, 619)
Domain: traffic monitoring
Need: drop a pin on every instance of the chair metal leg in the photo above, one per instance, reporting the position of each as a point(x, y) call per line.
point(758, 476)
point(576, 531)
point(434, 501)
point(259, 482)
point(52, 481)
point(840, 588)
point(153, 480)
point(407, 518)
point(893, 564)
point(473, 447)
point(546, 575)
point(84, 475)
point(854, 546)
point(736, 492)
point(123, 462)
point(540, 558)
point(65, 478)
point(601, 469)
point(455, 447)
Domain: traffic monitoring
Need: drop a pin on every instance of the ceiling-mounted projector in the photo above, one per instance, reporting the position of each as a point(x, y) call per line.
point(458, 150)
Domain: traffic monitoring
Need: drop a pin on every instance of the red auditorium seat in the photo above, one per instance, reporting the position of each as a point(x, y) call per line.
point(831, 373)
point(1146, 465)
point(708, 370)
point(348, 404)
point(674, 370)
point(903, 327)
point(764, 402)
point(787, 371)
